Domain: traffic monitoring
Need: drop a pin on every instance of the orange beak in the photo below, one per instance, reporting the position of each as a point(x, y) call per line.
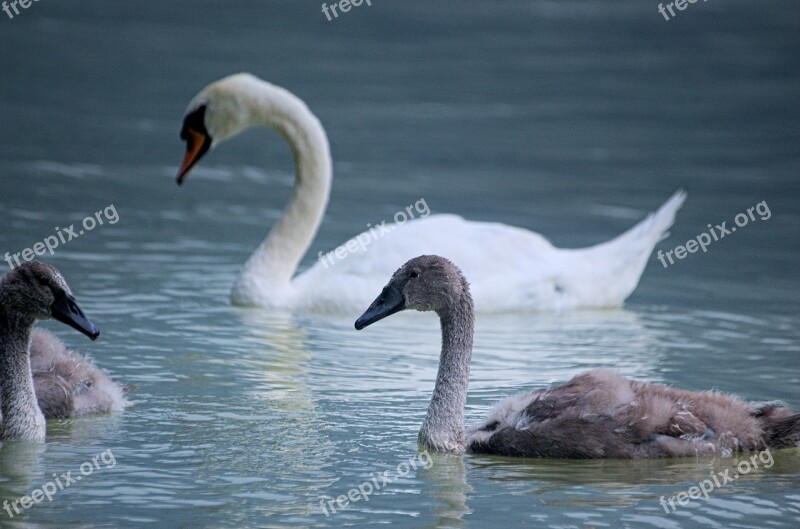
point(197, 144)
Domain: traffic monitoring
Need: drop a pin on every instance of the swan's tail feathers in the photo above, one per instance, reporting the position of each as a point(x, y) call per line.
point(619, 263)
point(655, 227)
point(783, 432)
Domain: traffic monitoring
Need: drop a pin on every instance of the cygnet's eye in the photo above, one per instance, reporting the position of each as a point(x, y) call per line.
point(414, 274)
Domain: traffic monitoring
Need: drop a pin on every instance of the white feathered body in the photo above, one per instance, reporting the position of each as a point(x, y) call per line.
point(511, 268)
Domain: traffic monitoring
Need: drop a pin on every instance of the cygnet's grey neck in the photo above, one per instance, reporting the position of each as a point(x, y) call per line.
point(22, 418)
point(443, 428)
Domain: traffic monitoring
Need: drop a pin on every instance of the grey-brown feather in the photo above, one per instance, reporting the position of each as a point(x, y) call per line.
point(69, 384)
point(25, 296)
point(598, 414)
point(603, 414)
point(39, 377)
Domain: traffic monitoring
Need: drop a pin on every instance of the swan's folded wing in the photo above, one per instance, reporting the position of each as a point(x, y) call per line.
point(53, 395)
point(508, 267)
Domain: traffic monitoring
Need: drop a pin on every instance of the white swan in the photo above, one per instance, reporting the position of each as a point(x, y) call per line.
point(512, 268)
point(598, 414)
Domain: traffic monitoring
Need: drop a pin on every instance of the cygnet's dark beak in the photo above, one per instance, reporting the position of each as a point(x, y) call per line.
point(390, 301)
point(66, 310)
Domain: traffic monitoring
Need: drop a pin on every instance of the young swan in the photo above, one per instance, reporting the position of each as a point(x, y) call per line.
point(69, 384)
point(63, 383)
point(598, 414)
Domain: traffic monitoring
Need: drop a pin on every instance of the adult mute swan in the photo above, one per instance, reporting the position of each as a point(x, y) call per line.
point(598, 414)
point(39, 378)
point(512, 268)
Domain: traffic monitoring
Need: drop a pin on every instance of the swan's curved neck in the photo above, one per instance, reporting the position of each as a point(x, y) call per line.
point(443, 428)
point(267, 274)
point(22, 418)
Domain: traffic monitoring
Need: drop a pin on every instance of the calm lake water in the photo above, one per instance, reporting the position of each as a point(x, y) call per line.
point(570, 118)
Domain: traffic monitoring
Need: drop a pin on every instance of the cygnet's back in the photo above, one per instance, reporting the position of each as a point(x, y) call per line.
point(69, 384)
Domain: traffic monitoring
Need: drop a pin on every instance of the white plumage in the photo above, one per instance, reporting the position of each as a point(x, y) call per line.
point(511, 269)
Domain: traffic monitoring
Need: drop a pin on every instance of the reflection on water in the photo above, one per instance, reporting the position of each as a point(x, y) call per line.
point(19, 462)
point(447, 477)
point(589, 488)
